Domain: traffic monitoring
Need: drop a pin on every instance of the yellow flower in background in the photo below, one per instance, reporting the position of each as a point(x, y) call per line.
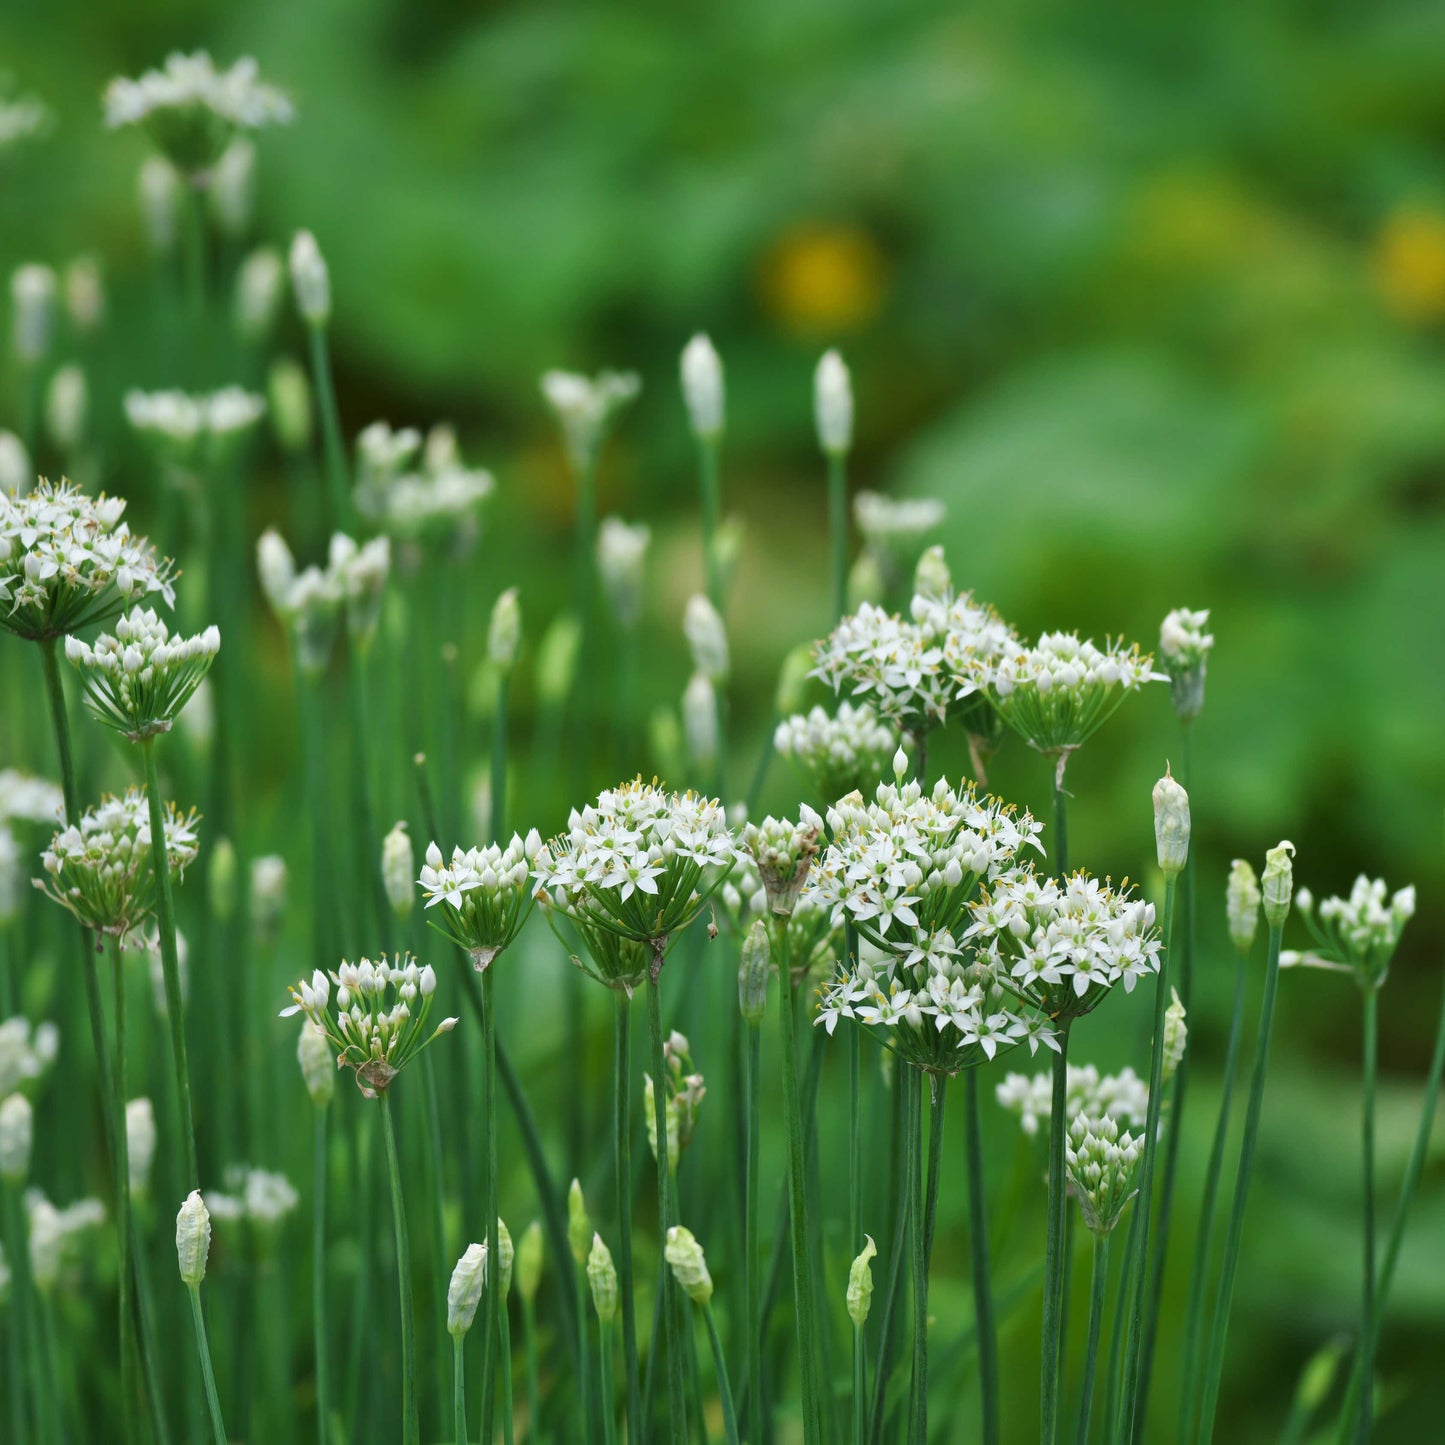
point(1410, 264)
point(823, 279)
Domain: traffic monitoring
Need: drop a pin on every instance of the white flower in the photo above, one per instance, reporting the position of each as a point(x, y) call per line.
point(1101, 1165)
point(1362, 931)
point(15, 471)
point(260, 284)
point(1184, 648)
point(1123, 1096)
point(838, 753)
point(194, 430)
point(20, 118)
point(140, 1135)
point(29, 799)
point(702, 388)
point(55, 1235)
point(310, 279)
point(32, 295)
point(485, 893)
point(17, 1133)
point(359, 574)
point(621, 553)
point(464, 1293)
point(439, 505)
point(833, 405)
point(585, 407)
point(25, 1052)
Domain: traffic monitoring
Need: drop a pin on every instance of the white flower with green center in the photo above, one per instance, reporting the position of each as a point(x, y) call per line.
point(484, 894)
point(585, 408)
point(1123, 1096)
point(621, 556)
point(1184, 648)
point(67, 562)
point(890, 662)
point(376, 1020)
point(1101, 1164)
point(192, 111)
point(26, 1052)
point(100, 868)
point(1063, 946)
point(1359, 933)
point(838, 753)
point(139, 680)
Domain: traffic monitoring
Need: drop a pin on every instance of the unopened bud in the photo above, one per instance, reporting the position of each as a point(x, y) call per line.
point(221, 880)
point(529, 1261)
point(32, 294)
point(702, 388)
point(232, 190)
point(260, 285)
point(288, 393)
point(506, 1254)
point(833, 405)
point(707, 637)
point(700, 721)
point(1171, 825)
point(15, 473)
point(140, 1144)
point(579, 1226)
point(310, 280)
point(1176, 1035)
point(318, 1064)
point(193, 1239)
point(1277, 883)
point(398, 871)
point(931, 578)
point(464, 1293)
point(860, 1284)
point(504, 636)
point(17, 1134)
point(84, 294)
point(753, 974)
point(866, 582)
point(67, 408)
point(557, 659)
point(1241, 905)
point(602, 1277)
point(689, 1264)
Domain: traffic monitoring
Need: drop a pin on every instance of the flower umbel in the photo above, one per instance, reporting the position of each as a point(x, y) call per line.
point(485, 893)
point(1101, 1165)
point(1184, 648)
point(1361, 932)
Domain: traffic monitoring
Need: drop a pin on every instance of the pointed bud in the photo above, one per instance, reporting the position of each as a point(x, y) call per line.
point(288, 392)
point(833, 405)
point(702, 388)
point(260, 286)
point(753, 974)
point(1176, 1035)
point(398, 871)
point(140, 1144)
point(700, 721)
point(860, 1284)
point(504, 636)
point(1241, 905)
point(17, 1134)
point(689, 1264)
point(602, 1276)
point(1277, 883)
point(579, 1226)
point(529, 1261)
point(931, 578)
point(221, 878)
point(310, 280)
point(318, 1064)
point(506, 1255)
point(193, 1239)
point(1171, 825)
point(464, 1293)
point(707, 637)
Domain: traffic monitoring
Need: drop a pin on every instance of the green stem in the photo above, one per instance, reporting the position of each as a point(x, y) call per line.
point(529, 1346)
point(318, 1278)
point(170, 962)
point(1367, 1140)
point(730, 1419)
point(1061, 818)
point(982, 1278)
point(711, 508)
point(897, 1251)
point(855, 1112)
point(797, 1190)
point(1204, 1238)
point(1225, 1297)
point(126, 1271)
point(26, 1330)
point(838, 530)
point(622, 1167)
point(337, 491)
point(677, 1409)
point(459, 1392)
point(752, 1262)
point(1096, 1324)
point(203, 1349)
point(860, 1386)
point(494, 1296)
point(499, 762)
point(1115, 1369)
point(1054, 1247)
point(926, 1209)
point(410, 1421)
point(506, 1368)
point(609, 1407)
point(195, 224)
point(1140, 1262)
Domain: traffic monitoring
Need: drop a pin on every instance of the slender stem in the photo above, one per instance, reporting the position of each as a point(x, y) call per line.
point(26, 1304)
point(170, 962)
point(1054, 1248)
point(1061, 818)
point(860, 1386)
point(1096, 1324)
point(499, 761)
point(1367, 1141)
point(899, 1247)
point(838, 530)
point(1113, 1378)
point(711, 507)
point(529, 1347)
point(410, 1420)
point(61, 725)
point(925, 1208)
point(677, 1410)
point(609, 1406)
point(459, 1392)
point(203, 1348)
point(494, 1296)
point(584, 1373)
point(622, 1162)
point(982, 1280)
point(1225, 1296)
point(506, 1368)
point(730, 1418)
point(855, 1112)
point(318, 1278)
point(337, 491)
point(195, 224)
point(752, 1262)
point(1204, 1239)
point(1140, 1262)
point(126, 1269)
point(797, 1190)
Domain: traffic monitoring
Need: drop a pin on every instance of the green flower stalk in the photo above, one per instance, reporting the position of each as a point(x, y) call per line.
point(464, 1294)
point(311, 283)
point(193, 1246)
point(860, 1301)
point(602, 1277)
point(579, 1232)
point(504, 638)
point(754, 971)
point(529, 1276)
point(833, 413)
point(689, 1268)
point(703, 392)
point(318, 1071)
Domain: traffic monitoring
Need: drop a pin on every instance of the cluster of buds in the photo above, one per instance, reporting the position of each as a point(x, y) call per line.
point(1101, 1164)
point(194, 432)
point(783, 854)
point(139, 680)
point(485, 893)
point(685, 1092)
point(310, 603)
point(377, 1020)
point(101, 867)
point(1184, 648)
point(585, 408)
point(838, 753)
point(1123, 1097)
point(893, 529)
point(621, 556)
point(68, 561)
point(889, 661)
point(1359, 933)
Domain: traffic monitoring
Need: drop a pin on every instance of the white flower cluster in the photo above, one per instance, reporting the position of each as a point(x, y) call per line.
point(67, 561)
point(361, 571)
point(485, 893)
point(685, 1089)
point(640, 863)
point(100, 868)
point(309, 603)
point(190, 431)
point(1361, 932)
point(1058, 692)
point(783, 853)
point(378, 1024)
point(192, 110)
point(621, 555)
point(26, 798)
point(585, 407)
point(840, 752)
point(140, 679)
point(896, 522)
point(1184, 647)
point(255, 1196)
point(1123, 1096)
point(25, 116)
point(26, 1052)
point(56, 1236)
point(1065, 945)
point(1101, 1164)
point(438, 503)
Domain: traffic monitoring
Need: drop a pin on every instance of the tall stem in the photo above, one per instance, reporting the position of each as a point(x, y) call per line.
point(494, 1296)
point(1367, 1150)
point(318, 1278)
point(1061, 817)
point(499, 762)
point(122, 1203)
point(604, 1359)
point(459, 1392)
point(203, 1349)
point(1054, 1247)
point(336, 488)
point(982, 1279)
point(505, 1363)
point(1096, 1324)
point(529, 1349)
point(1225, 1297)
point(752, 1259)
point(926, 1209)
point(410, 1420)
point(622, 1167)
point(720, 1365)
point(711, 508)
point(838, 530)
point(170, 962)
point(677, 1409)
point(1140, 1263)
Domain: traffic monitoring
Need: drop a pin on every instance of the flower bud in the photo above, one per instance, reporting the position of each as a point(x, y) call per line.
point(602, 1276)
point(793, 680)
point(310, 280)
point(84, 294)
point(1176, 1035)
point(232, 189)
point(707, 637)
point(702, 388)
point(866, 582)
point(833, 405)
point(140, 1144)
point(689, 1264)
point(1171, 825)
point(260, 285)
point(276, 568)
point(32, 293)
point(67, 408)
point(1277, 883)
point(753, 974)
point(700, 721)
point(288, 394)
point(15, 473)
point(221, 878)
point(1241, 905)
point(318, 1064)
point(17, 1134)
point(931, 578)
point(504, 636)
point(557, 659)
point(529, 1261)
point(579, 1226)
point(506, 1254)
point(193, 1239)
point(268, 892)
point(398, 871)
point(860, 1284)
point(464, 1293)
point(159, 190)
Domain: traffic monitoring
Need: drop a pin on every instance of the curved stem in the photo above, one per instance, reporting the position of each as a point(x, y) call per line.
point(203, 1348)
point(318, 1278)
point(622, 1167)
point(459, 1392)
point(1367, 1141)
point(730, 1419)
point(1225, 1296)
point(410, 1422)
point(170, 962)
point(752, 1262)
point(982, 1280)
point(126, 1271)
point(1096, 1323)
point(1054, 1247)
point(677, 1408)
point(838, 530)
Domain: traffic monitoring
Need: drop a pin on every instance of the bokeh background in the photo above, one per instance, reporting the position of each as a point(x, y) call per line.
point(1153, 301)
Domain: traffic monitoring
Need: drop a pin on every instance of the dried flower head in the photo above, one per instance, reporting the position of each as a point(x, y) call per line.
point(838, 753)
point(585, 407)
point(783, 854)
point(485, 893)
point(1101, 1164)
point(1184, 648)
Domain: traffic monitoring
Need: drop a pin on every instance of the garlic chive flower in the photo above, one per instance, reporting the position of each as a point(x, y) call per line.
point(1176, 1035)
point(932, 581)
point(833, 405)
point(100, 868)
point(383, 452)
point(260, 1197)
point(1123, 1097)
point(579, 1223)
point(192, 111)
point(26, 798)
point(17, 1134)
point(815, 938)
point(893, 529)
point(308, 603)
point(602, 1277)
point(837, 753)
point(1277, 883)
point(140, 1134)
point(485, 893)
point(702, 388)
point(26, 1052)
point(139, 680)
point(20, 118)
point(32, 295)
point(1184, 648)
point(360, 572)
point(1241, 901)
point(585, 407)
point(398, 869)
point(1171, 825)
point(268, 893)
point(783, 854)
point(438, 506)
point(1359, 933)
point(707, 638)
point(689, 1264)
point(193, 432)
point(860, 1283)
point(376, 1020)
point(67, 561)
point(621, 556)
point(685, 1093)
point(642, 863)
point(318, 1065)
point(1102, 1165)
point(193, 1239)
point(464, 1293)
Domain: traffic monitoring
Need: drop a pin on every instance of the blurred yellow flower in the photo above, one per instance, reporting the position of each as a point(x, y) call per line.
point(1410, 264)
point(823, 280)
